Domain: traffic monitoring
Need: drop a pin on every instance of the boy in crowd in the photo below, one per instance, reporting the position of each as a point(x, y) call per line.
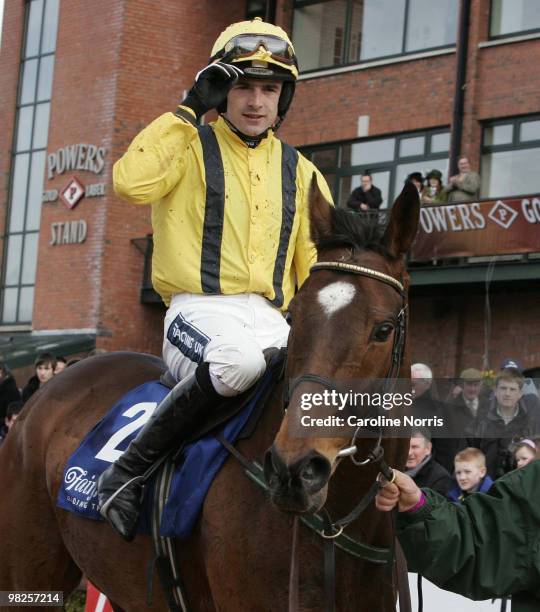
point(471, 474)
point(45, 365)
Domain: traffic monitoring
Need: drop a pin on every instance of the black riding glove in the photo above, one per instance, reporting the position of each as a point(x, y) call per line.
point(212, 84)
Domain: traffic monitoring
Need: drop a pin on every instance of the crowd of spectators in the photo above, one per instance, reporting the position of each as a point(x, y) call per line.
point(462, 187)
point(490, 427)
point(13, 398)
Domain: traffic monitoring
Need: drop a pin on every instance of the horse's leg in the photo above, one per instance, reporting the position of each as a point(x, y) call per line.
point(244, 541)
point(31, 549)
point(115, 567)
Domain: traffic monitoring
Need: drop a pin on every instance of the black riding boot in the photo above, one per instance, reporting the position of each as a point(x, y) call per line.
point(120, 487)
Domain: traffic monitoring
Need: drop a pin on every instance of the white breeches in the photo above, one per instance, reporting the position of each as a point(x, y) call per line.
point(230, 332)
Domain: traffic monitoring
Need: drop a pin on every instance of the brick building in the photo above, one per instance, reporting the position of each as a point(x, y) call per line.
point(387, 86)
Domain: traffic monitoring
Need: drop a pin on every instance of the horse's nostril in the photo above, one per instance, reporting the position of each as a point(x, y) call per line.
point(308, 473)
point(315, 473)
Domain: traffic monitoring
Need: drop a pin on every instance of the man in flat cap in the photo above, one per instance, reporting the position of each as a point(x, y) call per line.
point(468, 401)
point(461, 414)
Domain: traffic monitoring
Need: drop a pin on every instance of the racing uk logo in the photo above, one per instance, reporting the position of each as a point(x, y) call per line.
point(502, 214)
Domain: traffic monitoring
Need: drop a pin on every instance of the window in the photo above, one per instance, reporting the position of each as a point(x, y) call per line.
point(28, 163)
point(388, 159)
point(511, 158)
point(338, 32)
point(512, 16)
point(256, 8)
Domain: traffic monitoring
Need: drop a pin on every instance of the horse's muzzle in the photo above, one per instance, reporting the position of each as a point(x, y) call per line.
point(299, 487)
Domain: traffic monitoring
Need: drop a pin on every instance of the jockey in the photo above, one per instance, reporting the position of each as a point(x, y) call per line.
point(231, 240)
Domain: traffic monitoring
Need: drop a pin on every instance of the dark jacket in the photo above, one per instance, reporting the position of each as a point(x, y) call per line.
point(31, 387)
point(457, 495)
point(460, 423)
point(426, 406)
point(463, 415)
point(494, 437)
point(444, 449)
point(489, 546)
point(372, 197)
point(8, 393)
point(434, 476)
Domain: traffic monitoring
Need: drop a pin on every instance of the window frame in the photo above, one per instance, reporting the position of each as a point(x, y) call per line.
point(340, 172)
point(32, 153)
point(347, 39)
point(508, 34)
point(516, 145)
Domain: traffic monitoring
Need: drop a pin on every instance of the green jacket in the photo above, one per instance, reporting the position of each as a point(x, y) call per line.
point(467, 189)
point(487, 547)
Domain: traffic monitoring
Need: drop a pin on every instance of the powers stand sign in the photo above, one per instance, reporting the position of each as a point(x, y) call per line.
point(78, 158)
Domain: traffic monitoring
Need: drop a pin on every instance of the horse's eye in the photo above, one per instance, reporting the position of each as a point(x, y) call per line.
point(288, 318)
point(382, 332)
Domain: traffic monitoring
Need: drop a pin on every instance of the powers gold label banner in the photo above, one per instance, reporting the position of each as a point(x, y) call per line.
point(469, 229)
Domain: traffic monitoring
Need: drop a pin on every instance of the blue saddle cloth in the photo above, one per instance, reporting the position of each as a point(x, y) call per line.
point(201, 460)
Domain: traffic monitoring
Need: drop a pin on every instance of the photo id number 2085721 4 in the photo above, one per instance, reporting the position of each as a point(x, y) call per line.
point(31, 598)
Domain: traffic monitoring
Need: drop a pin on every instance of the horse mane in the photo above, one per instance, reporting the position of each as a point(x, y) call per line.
point(361, 232)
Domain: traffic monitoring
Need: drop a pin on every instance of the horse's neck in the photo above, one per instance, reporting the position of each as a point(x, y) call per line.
point(267, 427)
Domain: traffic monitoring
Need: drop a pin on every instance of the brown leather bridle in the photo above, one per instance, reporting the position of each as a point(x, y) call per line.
point(334, 529)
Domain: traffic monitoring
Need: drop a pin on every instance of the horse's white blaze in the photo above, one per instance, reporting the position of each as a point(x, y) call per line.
point(336, 296)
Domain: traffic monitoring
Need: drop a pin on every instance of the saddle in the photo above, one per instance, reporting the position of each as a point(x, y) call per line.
point(195, 464)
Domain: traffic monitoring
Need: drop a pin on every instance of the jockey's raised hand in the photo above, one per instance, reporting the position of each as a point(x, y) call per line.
point(403, 493)
point(212, 84)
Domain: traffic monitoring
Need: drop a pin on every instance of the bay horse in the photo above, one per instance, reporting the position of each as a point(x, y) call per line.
point(238, 557)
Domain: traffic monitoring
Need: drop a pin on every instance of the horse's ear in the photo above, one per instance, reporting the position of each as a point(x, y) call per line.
point(403, 224)
point(320, 213)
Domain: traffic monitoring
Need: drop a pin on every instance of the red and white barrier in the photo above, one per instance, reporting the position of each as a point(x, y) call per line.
point(96, 601)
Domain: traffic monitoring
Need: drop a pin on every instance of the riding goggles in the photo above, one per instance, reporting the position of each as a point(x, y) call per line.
point(245, 45)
